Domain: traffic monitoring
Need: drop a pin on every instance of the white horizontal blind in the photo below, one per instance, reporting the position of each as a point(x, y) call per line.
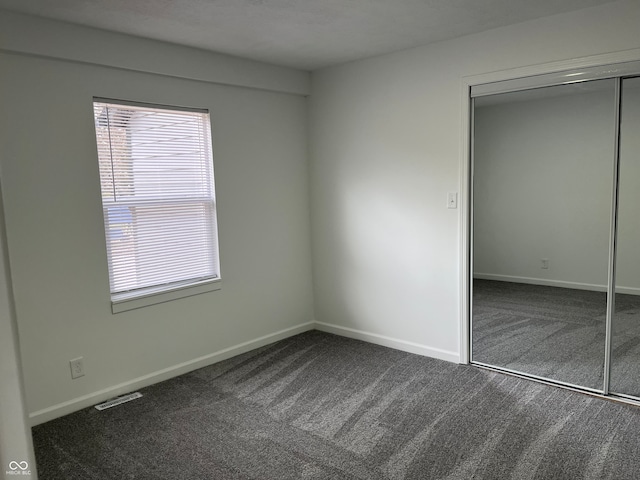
point(156, 174)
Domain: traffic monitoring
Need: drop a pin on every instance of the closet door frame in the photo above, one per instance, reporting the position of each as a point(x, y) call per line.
point(610, 66)
point(613, 237)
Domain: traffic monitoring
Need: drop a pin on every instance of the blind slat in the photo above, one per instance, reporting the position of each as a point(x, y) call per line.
point(158, 196)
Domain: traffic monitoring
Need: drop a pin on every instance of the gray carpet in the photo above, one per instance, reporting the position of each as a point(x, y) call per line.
point(318, 406)
point(556, 333)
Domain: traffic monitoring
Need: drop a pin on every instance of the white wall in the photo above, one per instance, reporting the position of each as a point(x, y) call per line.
point(29, 35)
point(543, 176)
point(542, 189)
point(386, 148)
point(15, 435)
point(56, 238)
point(628, 262)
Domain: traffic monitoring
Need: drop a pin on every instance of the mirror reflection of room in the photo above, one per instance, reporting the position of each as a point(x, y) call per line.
point(625, 348)
point(542, 200)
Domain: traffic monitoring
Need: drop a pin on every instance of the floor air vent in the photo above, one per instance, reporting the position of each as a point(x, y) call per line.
point(118, 401)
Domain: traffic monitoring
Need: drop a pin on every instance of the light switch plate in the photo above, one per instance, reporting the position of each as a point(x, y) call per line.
point(452, 200)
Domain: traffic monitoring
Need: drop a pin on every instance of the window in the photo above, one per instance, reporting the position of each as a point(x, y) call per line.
point(158, 199)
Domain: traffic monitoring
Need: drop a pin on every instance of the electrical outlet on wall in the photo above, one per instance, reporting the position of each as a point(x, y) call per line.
point(544, 263)
point(77, 367)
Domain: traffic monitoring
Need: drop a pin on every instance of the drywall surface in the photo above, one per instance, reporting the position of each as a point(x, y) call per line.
point(386, 149)
point(15, 434)
point(628, 257)
point(56, 237)
point(43, 37)
point(543, 178)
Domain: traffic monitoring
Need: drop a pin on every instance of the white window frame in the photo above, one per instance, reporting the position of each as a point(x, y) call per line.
point(141, 297)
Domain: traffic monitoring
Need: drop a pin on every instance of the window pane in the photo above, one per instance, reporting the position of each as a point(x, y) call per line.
point(156, 174)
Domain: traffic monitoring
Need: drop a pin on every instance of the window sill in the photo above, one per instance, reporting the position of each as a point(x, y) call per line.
point(122, 303)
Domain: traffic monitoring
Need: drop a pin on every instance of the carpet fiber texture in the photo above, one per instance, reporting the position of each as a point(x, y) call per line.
point(319, 406)
point(556, 333)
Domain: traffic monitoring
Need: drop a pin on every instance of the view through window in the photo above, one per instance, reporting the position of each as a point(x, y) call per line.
point(158, 197)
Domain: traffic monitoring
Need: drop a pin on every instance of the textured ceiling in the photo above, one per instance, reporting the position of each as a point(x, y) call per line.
point(305, 34)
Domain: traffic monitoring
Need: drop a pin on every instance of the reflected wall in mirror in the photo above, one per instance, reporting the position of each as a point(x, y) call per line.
point(625, 347)
point(542, 199)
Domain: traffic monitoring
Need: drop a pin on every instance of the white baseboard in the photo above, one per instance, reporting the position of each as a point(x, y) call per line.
point(628, 290)
point(79, 403)
point(383, 340)
point(555, 283)
point(93, 398)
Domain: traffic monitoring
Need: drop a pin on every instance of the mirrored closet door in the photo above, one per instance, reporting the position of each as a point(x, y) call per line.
point(554, 274)
point(625, 344)
point(542, 193)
